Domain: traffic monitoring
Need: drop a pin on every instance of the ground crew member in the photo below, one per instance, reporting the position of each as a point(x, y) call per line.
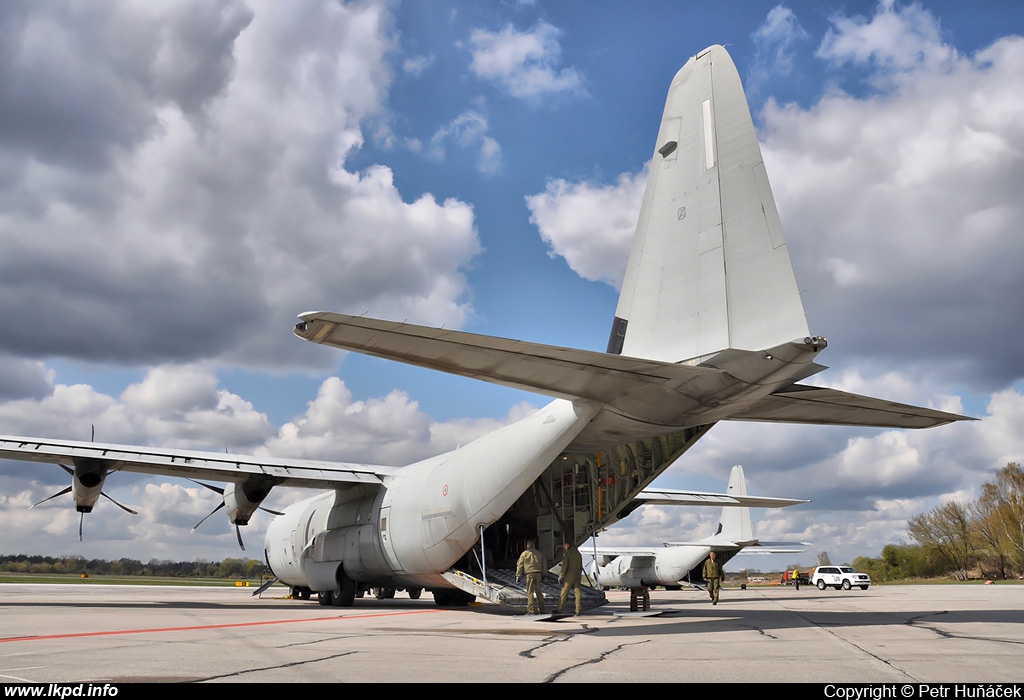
point(713, 575)
point(531, 564)
point(572, 572)
point(796, 578)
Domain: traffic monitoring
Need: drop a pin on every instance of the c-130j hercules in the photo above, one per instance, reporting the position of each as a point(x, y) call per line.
point(709, 327)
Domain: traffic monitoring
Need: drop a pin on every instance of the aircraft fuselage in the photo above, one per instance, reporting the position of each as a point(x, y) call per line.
point(420, 523)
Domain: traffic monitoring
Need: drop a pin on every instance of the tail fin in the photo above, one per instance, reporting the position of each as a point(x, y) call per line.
point(709, 268)
point(734, 524)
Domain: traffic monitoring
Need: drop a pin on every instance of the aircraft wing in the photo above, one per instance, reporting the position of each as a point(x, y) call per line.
point(564, 373)
point(205, 465)
point(674, 497)
point(800, 403)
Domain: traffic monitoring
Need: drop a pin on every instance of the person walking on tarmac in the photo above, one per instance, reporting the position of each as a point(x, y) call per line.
point(572, 572)
point(713, 575)
point(531, 564)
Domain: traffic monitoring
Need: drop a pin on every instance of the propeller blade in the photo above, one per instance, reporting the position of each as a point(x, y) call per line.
point(81, 522)
point(215, 489)
point(272, 512)
point(238, 534)
point(119, 505)
point(204, 519)
point(59, 493)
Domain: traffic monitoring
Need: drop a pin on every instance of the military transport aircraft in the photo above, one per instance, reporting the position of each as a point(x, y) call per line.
point(709, 326)
point(679, 563)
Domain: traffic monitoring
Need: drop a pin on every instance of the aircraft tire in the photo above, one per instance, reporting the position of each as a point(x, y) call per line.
point(346, 596)
point(821, 584)
point(415, 593)
point(325, 598)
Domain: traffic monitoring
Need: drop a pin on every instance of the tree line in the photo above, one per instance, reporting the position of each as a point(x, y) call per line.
point(77, 565)
point(983, 537)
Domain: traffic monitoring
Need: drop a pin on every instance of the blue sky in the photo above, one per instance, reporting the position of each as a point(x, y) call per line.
point(179, 180)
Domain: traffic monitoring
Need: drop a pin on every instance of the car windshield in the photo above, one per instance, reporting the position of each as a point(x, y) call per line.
point(847, 570)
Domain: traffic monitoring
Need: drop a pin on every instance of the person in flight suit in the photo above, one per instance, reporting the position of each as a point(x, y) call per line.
point(572, 572)
point(713, 575)
point(531, 564)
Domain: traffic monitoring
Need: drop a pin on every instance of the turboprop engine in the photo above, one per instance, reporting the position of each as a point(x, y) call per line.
point(241, 501)
point(87, 483)
point(86, 488)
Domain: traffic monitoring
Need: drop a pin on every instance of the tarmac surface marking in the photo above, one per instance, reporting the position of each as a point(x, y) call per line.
point(904, 634)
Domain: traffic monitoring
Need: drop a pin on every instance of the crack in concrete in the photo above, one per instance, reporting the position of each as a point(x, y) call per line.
point(760, 631)
point(596, 660)
point(553, 639)
point(919, 623)
point(292, 664)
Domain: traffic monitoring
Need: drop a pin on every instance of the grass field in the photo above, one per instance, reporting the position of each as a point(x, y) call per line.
point(11, 577)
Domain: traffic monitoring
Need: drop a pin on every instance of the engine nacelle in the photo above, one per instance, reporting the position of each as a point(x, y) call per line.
point(87, 483)
point(243, 500)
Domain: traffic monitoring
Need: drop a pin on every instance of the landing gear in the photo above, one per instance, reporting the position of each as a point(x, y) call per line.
point(344, 597)
point(414, 593)
point(383, 593)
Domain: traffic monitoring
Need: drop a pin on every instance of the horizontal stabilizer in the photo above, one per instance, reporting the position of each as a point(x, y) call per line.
point(750, 547)
point(564, 373)
point(673, 497)
point(642, 556)
point(810, 404)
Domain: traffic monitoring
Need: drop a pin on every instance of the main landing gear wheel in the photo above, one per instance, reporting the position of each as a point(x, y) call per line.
point(414, 593)
point(344, 597)
point(325, 598)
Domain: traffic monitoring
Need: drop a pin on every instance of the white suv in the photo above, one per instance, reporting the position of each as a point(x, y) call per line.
point(839, 577)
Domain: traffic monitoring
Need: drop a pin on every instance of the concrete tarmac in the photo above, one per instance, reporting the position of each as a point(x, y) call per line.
point(887, 634)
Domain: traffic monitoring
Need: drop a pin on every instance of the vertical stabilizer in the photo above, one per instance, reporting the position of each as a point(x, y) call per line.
point(735, 525)
point(709, 268)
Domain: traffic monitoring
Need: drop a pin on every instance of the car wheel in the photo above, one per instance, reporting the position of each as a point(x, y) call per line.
point(846, 585)
point(821, 584)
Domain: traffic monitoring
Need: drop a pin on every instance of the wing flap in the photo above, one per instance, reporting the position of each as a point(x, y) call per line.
point(809, 404)
point(184, 463)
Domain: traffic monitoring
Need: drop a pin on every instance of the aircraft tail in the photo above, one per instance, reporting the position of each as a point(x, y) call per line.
point(709, 268)
point(734, 524)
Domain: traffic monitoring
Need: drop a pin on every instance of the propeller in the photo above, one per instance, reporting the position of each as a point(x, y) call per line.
point(83, 509)
point(223, 503)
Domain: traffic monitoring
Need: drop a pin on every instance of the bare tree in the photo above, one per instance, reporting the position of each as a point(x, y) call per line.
point(1006, 497)
point(946, 529)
